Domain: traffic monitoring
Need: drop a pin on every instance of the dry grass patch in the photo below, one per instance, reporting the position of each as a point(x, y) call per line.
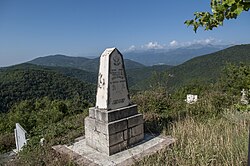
point(221, 141)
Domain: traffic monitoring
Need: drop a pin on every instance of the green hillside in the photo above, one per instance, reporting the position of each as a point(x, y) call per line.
point(207, 68)
point(137, 78)
point(86, 76)
point(26, 81)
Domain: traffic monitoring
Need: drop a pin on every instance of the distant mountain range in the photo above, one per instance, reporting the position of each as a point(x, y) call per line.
point(82, 63)
point(206, 68)
point(134, 59)
point(171, 56)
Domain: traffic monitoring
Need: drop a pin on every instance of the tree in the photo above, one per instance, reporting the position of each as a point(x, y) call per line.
point(221, 10)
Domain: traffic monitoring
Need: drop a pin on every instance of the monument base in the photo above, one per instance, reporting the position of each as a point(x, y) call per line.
point(82, 154)
point(115, 130)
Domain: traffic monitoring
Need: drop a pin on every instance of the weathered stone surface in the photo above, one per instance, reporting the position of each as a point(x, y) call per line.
point(113, 115)
point(82, 154)
point(135, 139)
point(137, 130)
point(20, 137)
point(125, 134)
point(116, 138)
point(118, 147)
point(135, 120)
point(117, 126)
point(112, 91)
point(92, 112)
point(113, 124)
point(102, 136)
point(89, 123)
point(97, 140)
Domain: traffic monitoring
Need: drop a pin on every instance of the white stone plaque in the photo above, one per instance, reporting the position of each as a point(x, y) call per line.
point(191, 98)
point(20, 137)
point(112, 90)
point(244, 97)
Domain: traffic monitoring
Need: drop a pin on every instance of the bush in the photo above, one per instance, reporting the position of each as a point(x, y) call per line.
point(7, 142)
point(154, 104)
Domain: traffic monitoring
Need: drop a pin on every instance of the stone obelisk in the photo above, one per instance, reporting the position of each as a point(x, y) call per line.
point(114, 123)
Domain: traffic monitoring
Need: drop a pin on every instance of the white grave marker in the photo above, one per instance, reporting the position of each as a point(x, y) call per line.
point(191, 98)
point(244, 98)
point(20, 137)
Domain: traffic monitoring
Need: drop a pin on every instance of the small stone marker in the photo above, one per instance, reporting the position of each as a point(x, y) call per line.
point(20, 137)
point(42, 141)
point(244, 98)
point(114, 123)
point(191, 98)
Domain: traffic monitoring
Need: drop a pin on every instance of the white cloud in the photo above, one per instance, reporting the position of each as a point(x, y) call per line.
point(174, 43)
point(153, 45)
point(206, 41)
point(131, 48)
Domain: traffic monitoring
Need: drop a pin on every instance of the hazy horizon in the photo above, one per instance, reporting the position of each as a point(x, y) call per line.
point(31, 29)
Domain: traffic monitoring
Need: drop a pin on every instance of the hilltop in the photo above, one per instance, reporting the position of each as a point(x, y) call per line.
point(82, 63)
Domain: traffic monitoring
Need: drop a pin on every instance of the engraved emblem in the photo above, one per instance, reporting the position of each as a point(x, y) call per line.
point(116, 60)
point(101, 81)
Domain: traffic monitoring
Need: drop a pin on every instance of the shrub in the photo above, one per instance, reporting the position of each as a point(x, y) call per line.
point(7, 142)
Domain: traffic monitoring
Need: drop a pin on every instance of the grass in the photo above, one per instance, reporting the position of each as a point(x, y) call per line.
point(222, 141)
point(62, 132)
point(207, 132)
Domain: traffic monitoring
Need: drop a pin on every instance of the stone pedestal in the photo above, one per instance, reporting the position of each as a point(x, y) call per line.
point(114, 130)
point(114, 123)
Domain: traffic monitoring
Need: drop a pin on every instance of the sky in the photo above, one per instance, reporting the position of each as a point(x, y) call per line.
point(36, 28)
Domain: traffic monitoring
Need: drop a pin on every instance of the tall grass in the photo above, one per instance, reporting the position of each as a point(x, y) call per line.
point(222, 141)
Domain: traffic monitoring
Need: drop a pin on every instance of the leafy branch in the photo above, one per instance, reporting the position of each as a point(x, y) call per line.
point(221, 10)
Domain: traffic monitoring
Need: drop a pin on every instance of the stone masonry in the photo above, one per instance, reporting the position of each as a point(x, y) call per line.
point(114, 123)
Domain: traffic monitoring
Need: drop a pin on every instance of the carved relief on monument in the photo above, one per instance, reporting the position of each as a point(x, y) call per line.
point(118, 91)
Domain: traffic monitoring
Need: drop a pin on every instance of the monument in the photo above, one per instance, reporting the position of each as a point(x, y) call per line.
point(20, 137)
point(114, 123)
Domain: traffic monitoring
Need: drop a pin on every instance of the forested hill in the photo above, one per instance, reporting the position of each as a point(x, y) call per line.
point(26, 81)
point(208, 68)
point(82, 63)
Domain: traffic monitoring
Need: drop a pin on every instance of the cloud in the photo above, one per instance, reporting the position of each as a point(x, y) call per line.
point(153, 45)
point(210, 40)
point(173, 43)
point(207, 41)
point(131, 48)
